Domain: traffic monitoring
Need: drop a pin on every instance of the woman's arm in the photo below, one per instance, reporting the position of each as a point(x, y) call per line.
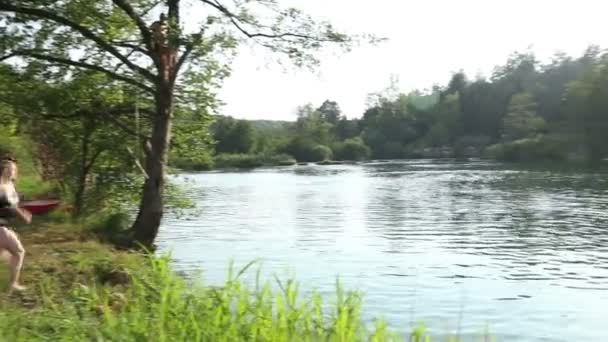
point(24, 215)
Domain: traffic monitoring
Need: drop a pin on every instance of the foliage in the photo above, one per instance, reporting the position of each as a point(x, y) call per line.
point(71, 142)
point(521, 120)
point(307, 150)
point(202, 163)
point(446, 122)
point(540, 148)
point(352, 149)
point(233, 136)
point(192, 142)
point(169, 65)
point(524, 111)
point(29, 182)
point(587, 107)
point(329, 112)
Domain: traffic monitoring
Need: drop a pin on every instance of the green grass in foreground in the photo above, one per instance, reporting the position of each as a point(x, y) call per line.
point(81, 290)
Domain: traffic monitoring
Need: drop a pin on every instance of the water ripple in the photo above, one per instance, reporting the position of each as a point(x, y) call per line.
point(439, 241)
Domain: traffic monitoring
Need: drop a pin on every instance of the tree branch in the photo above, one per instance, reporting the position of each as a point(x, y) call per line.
point(109, 114)
point(65, 61)
point(141, 25)
point(67, 116)
point(184, 57)
point(122, 126)
point(234, 19)
point(134, 47)
point(5, 57)
point(88, 165)
point(173, 10)
point(40, 13)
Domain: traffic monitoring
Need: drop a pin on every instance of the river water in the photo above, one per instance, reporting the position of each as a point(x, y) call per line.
point(460, 246)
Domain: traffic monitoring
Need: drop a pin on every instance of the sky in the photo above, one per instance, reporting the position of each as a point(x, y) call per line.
point(428, 40)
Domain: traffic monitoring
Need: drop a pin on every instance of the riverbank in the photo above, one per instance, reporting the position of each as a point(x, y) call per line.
point(80, 289)
point(230, 161)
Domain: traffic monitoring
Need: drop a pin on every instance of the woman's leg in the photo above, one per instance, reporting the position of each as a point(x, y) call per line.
point(10, 242)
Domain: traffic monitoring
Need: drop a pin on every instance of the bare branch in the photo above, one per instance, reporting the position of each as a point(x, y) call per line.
point(65, 61)
point(234, 19)
point(7, 7)
point(134, 47)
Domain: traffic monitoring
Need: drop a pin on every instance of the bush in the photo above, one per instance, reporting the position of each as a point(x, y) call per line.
point(111, 228)
point(352, 149)
point(202, 163)
point(307, 150)
point(540, 148)
point(321, 153)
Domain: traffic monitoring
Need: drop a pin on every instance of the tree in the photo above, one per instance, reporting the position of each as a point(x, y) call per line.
point(312, 126)
point(330, 112)
point(233, 136)
point(71, 147)
point(346, 129)
point(391, 125)
point(521, 120)
point(457, 84)
point(447, 122)
point(587, 106)
point(116, 38)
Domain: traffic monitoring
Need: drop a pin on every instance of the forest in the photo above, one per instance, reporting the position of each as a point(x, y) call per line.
point(526, 111)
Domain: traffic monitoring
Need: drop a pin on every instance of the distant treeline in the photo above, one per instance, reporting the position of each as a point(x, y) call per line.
point(525, 111)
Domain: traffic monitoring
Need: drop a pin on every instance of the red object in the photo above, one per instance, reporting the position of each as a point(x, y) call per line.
point(39, 207)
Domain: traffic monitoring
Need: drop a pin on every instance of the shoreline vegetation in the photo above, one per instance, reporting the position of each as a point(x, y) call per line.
point(80, 288)
point(83, 285)
point(252, 161)
point(525, 111)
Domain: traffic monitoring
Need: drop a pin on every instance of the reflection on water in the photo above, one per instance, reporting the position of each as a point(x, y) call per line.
point(455, 244)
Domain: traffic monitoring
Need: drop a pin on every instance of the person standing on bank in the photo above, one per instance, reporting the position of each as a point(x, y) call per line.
point(9, 200)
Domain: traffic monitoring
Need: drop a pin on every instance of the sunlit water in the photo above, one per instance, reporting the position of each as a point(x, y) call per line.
point(459, 246)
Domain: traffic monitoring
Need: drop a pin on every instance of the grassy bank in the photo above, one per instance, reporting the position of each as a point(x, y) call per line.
point(80, 289)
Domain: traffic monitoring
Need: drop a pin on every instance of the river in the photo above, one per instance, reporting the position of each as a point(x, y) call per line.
point(460, 246)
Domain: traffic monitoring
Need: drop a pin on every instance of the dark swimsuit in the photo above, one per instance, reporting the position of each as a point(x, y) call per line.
point(6, 207)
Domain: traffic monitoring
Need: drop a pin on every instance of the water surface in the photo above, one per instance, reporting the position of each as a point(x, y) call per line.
point(458, 245)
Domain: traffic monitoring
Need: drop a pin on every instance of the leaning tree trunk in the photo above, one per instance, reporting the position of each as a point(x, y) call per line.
point(147, 223)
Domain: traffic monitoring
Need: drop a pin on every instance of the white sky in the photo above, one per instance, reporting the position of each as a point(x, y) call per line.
point(428, 40)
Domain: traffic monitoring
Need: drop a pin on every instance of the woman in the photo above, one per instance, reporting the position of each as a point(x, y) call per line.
point(9, 200)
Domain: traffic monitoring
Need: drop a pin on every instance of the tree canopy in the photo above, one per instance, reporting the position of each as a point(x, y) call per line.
point(149, 49)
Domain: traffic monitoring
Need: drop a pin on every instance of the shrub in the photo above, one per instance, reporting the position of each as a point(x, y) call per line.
point(540, 148)
point(352, 149)
point(307, 150)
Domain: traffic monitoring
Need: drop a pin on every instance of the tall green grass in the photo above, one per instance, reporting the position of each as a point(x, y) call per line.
point(158, 305)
